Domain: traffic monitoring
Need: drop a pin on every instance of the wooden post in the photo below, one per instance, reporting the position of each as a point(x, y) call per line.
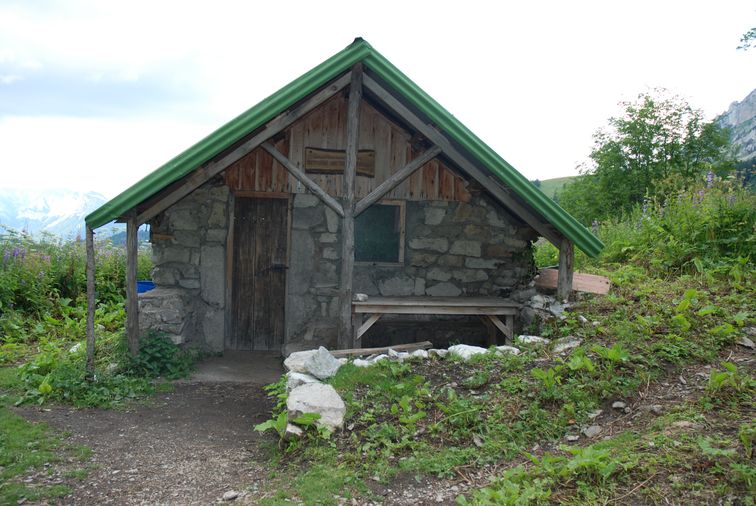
point(566, 257)
point(132, 305)
point(346, 332)
point(90, 303)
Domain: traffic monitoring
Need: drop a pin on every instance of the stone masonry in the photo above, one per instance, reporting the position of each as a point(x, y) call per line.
point(451, 249)
point(189, 254)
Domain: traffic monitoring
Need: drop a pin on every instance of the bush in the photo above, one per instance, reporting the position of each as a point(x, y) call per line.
point(158, 356)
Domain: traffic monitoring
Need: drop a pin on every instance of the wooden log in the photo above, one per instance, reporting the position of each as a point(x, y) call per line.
point(304, 179)
point(493, 185)
point(396, 179)
point(357, 352)
point(274, 126)
point(132, 304)
point(90, 303)
point(566, 259)
point(346, 333)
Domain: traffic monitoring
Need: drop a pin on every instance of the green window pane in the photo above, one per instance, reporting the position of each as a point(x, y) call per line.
point(376, 234)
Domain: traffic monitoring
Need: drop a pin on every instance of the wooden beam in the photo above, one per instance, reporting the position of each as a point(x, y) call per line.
point(132, 304)
point(396, 179)
point(491, 184)
point(346, 331)
point(302, 177)
point(90, 303)
point(274, 126)
point(366, 326)
point(357, 352)
point(566, 258)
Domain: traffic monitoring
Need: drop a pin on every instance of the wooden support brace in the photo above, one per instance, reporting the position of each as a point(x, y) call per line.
point(396, 179)
point(274, 126)
point(90, 302)
point(132, 304)
point(302, 177)
point(368, 323)
point(492, 185)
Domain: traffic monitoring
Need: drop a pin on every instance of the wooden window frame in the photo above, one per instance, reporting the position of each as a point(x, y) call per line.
point(402, 204)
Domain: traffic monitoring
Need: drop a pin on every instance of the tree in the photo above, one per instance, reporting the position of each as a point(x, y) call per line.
point(659, 137)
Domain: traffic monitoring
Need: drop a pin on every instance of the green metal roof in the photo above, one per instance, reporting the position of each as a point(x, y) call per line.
point(399, 85)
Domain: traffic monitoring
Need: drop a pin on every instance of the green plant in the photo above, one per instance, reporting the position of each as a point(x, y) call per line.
point(158, 356)
point(729, 380)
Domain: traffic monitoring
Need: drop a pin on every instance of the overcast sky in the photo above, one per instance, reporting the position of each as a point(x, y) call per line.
point(96, 94)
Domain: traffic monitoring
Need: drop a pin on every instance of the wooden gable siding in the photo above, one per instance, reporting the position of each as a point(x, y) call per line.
point(325, 128)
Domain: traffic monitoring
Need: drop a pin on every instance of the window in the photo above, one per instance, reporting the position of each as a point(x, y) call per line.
point(379, 233)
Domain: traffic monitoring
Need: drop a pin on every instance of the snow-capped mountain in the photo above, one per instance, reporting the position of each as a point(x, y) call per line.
point(59, 212)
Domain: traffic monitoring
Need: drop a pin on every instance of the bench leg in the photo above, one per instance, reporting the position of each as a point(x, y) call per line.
point(492, 337)
point(505, 329)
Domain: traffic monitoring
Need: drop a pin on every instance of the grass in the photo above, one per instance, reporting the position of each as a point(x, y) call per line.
point(431, 419)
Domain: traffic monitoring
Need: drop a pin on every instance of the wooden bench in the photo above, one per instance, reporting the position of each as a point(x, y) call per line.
point(489, 309)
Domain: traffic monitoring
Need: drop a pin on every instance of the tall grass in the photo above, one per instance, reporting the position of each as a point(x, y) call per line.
point(709, 227)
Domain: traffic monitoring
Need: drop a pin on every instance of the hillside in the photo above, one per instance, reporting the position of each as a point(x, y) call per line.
point(551, 186)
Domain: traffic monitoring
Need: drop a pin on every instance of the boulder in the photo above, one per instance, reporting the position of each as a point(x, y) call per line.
point(397, 355)
point(321, 364)
point(358, 362)
point(295, 379)
point(465, 351)
point(317, 398)
point(419, 354)
point(295, 362)
point(437, 353)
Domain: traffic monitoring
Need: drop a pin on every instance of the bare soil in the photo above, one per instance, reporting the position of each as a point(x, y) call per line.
point(188, 446)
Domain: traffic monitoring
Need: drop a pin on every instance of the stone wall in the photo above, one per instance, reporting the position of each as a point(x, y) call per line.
point(451, 249)
point(189, 255)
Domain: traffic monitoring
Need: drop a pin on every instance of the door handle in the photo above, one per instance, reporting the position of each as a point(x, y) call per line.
point(279, 267)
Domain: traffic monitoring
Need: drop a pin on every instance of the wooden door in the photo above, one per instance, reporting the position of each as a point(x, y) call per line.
point(258, 278)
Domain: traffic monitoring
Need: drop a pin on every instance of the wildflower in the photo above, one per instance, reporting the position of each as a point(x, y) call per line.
point(709, 179)
point(595, 226)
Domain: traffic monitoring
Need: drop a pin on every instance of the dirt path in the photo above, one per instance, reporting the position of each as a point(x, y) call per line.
point(188, 446)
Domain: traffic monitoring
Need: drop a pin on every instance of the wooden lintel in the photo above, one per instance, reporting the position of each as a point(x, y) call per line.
point(396, 179)
point(132, 305)
point(302, 177)
point(492, 185)
point(346, 331)
point(204, 173)
point(90, 302)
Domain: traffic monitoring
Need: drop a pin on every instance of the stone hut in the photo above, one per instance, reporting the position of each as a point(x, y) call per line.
point(349, 180)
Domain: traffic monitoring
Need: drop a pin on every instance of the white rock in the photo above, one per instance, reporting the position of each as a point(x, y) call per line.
point(322, 364)
point(343, 360)
point(377, 358)
point(572, 438)
point(595, 414)
point(358, 362)
point(295, 362)
point(230, 495)
point(592, 431)
point(419, 354)
point(317, 398)
point(465, 351)
point(742, 341)
point(619, 405)
point(295, 379)
point(437, 353)
point(507, 349)
point(566, 343)
point(582, 319)
point(292, 432)
point(532, 340)
point(360, 297)
point(75, 348)
point(397, 355)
